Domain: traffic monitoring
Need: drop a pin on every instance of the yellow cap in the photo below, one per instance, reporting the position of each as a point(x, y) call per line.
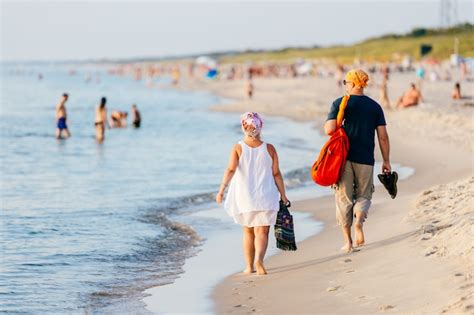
point(358, 77)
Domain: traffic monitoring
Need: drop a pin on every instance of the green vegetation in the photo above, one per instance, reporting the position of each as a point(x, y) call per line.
point(384, 48)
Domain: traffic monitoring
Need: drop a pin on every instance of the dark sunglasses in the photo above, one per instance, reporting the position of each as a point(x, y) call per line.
point(345, 82)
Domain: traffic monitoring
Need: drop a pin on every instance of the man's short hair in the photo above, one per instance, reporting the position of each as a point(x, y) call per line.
point(65, 95)
point(413, 85)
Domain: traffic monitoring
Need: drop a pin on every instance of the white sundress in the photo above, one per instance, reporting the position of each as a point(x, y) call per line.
point(253, 197)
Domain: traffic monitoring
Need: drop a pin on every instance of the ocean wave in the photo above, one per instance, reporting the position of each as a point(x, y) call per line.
point(298, 177)
point(155, 261)
point(293, 179)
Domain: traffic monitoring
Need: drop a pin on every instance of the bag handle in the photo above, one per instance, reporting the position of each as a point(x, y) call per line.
point(342, 108)
point(287, 205)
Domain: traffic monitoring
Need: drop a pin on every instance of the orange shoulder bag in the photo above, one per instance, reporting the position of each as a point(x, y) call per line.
point(328, 168)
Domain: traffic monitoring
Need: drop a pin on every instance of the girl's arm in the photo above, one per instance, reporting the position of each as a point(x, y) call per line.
point(229, 172)
point(277, 174)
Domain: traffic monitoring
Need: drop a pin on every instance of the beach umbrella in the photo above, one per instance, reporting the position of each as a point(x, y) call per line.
point(212, 73)
point(304, 68)
point(206, 61)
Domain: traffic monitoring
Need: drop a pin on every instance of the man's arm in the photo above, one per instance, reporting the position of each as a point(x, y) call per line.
point(105, 120)
point(384, 144)
point(330, 126)
point(58, 108)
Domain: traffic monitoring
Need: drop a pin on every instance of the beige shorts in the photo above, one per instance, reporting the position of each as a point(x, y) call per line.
point(354, 192)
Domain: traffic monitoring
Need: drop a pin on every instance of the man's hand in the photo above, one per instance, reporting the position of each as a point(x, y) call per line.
point(386, 167)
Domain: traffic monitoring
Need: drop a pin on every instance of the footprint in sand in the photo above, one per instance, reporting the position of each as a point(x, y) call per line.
point(386, 307)
point(350, 271)
point(347, 260)
point(331, 289)
point(432, 251)
point(466, 286)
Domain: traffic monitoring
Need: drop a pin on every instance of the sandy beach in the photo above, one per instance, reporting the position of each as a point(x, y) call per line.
point(419, 256)
point(124, 189)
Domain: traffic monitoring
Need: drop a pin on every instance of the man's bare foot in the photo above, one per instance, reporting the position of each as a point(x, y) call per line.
point(347, 248)
point(359, 234)
point(260, 269)
point(248, 271)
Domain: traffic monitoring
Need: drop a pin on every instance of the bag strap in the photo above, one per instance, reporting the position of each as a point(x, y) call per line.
point(342, 108)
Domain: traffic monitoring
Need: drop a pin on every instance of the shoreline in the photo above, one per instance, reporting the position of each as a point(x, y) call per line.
point(385, 275)
point(190, 292)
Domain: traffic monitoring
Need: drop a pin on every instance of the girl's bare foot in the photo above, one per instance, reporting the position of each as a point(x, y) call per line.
point(248, 270)
point(260, 269)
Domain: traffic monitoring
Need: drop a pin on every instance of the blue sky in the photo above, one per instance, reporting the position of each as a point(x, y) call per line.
point(70, 30)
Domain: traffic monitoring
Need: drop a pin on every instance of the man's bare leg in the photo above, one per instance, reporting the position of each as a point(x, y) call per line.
point(249, 249)
point(346, 232)
point(99, 133)
point(358, 228)
point(58, 133)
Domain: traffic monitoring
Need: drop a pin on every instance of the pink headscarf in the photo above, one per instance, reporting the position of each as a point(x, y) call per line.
point(254, 120)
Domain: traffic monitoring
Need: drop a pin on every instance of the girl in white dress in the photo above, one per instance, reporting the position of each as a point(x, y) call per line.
point(256, 187)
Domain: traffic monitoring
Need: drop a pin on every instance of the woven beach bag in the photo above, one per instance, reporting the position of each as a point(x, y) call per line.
point(284, 229)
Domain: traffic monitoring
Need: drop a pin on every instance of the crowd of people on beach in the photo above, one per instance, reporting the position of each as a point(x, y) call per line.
point(413, 95)
point(247, 72)
point(117, 119)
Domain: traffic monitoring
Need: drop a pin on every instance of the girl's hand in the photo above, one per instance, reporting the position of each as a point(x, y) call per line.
point(219, 197)
point(285, 200)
